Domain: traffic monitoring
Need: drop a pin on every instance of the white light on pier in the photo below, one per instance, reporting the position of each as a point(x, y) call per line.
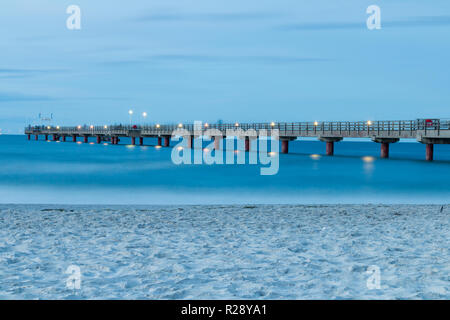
point(144, 114)
point(158, 126)
point(57, 127)
point(48, 127)
point(272, 124)
point(316, 123)
point(206, 125)
point(130, 112)
point(92, 127)
point(236, 124)
point(106, 127)
point(369, 123)
point(79, 127)
point(180, 125)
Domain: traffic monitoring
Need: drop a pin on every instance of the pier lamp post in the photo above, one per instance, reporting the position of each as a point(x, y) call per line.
point(144, 115)
point(272, 125)
point(130, 112)
point(315, 126)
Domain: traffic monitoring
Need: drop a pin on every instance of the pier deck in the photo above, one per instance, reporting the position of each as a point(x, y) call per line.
point(426, 131)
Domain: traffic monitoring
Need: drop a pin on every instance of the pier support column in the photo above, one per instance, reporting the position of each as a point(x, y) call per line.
point(330, 144)
point(99, 139)
point(133, 141)
point(159, 142)
point(64, 138)
point(430, 142)
point(247, 144)
point(29, 136)
point(330, 148)
point(46, 137)
point(141, 141)
point(113, 140)
point(36, 137)
point(217, 142)
point(55, 137)
point(190, 142)
point(284, 146)
point(384, 150)
point(86, 139)
point(74, 138)
point(430, 152)
point(166, 141)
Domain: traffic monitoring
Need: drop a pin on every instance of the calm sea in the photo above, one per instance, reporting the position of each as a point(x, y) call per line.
point(71, 173)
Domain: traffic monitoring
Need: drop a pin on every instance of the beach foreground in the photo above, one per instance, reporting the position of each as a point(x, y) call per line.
point(225, 252)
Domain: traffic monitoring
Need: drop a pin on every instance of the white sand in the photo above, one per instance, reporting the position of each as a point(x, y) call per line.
point(225, 252)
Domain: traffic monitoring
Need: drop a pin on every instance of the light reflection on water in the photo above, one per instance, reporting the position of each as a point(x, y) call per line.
point(368, 164)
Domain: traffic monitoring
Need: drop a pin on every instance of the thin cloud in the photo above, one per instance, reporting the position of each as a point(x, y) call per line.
point(12, 97)
point(432, 21)
point(10, 73)
point(206, 17)
point(217, 59)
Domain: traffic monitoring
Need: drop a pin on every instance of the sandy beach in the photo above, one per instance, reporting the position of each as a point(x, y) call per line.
point(225, 252)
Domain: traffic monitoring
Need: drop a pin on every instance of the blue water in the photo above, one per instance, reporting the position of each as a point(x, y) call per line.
point(71, 173)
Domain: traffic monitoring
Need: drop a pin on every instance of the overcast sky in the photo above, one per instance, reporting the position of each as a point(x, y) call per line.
point(235, 60)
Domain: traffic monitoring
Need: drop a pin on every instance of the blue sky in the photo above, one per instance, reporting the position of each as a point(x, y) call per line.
point(253, 60)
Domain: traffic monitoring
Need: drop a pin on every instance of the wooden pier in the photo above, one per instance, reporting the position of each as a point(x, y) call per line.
point(425, 131)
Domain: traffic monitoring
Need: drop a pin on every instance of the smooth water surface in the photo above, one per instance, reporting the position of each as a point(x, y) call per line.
point(79, 173)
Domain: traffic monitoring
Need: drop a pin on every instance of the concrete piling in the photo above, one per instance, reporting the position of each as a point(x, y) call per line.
point(190, 142)
point(166, 141)
point(384, 150)
point(247, 144)
point(284, 146)
point(217, 142)
point(330, 148)
point(429, 152)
